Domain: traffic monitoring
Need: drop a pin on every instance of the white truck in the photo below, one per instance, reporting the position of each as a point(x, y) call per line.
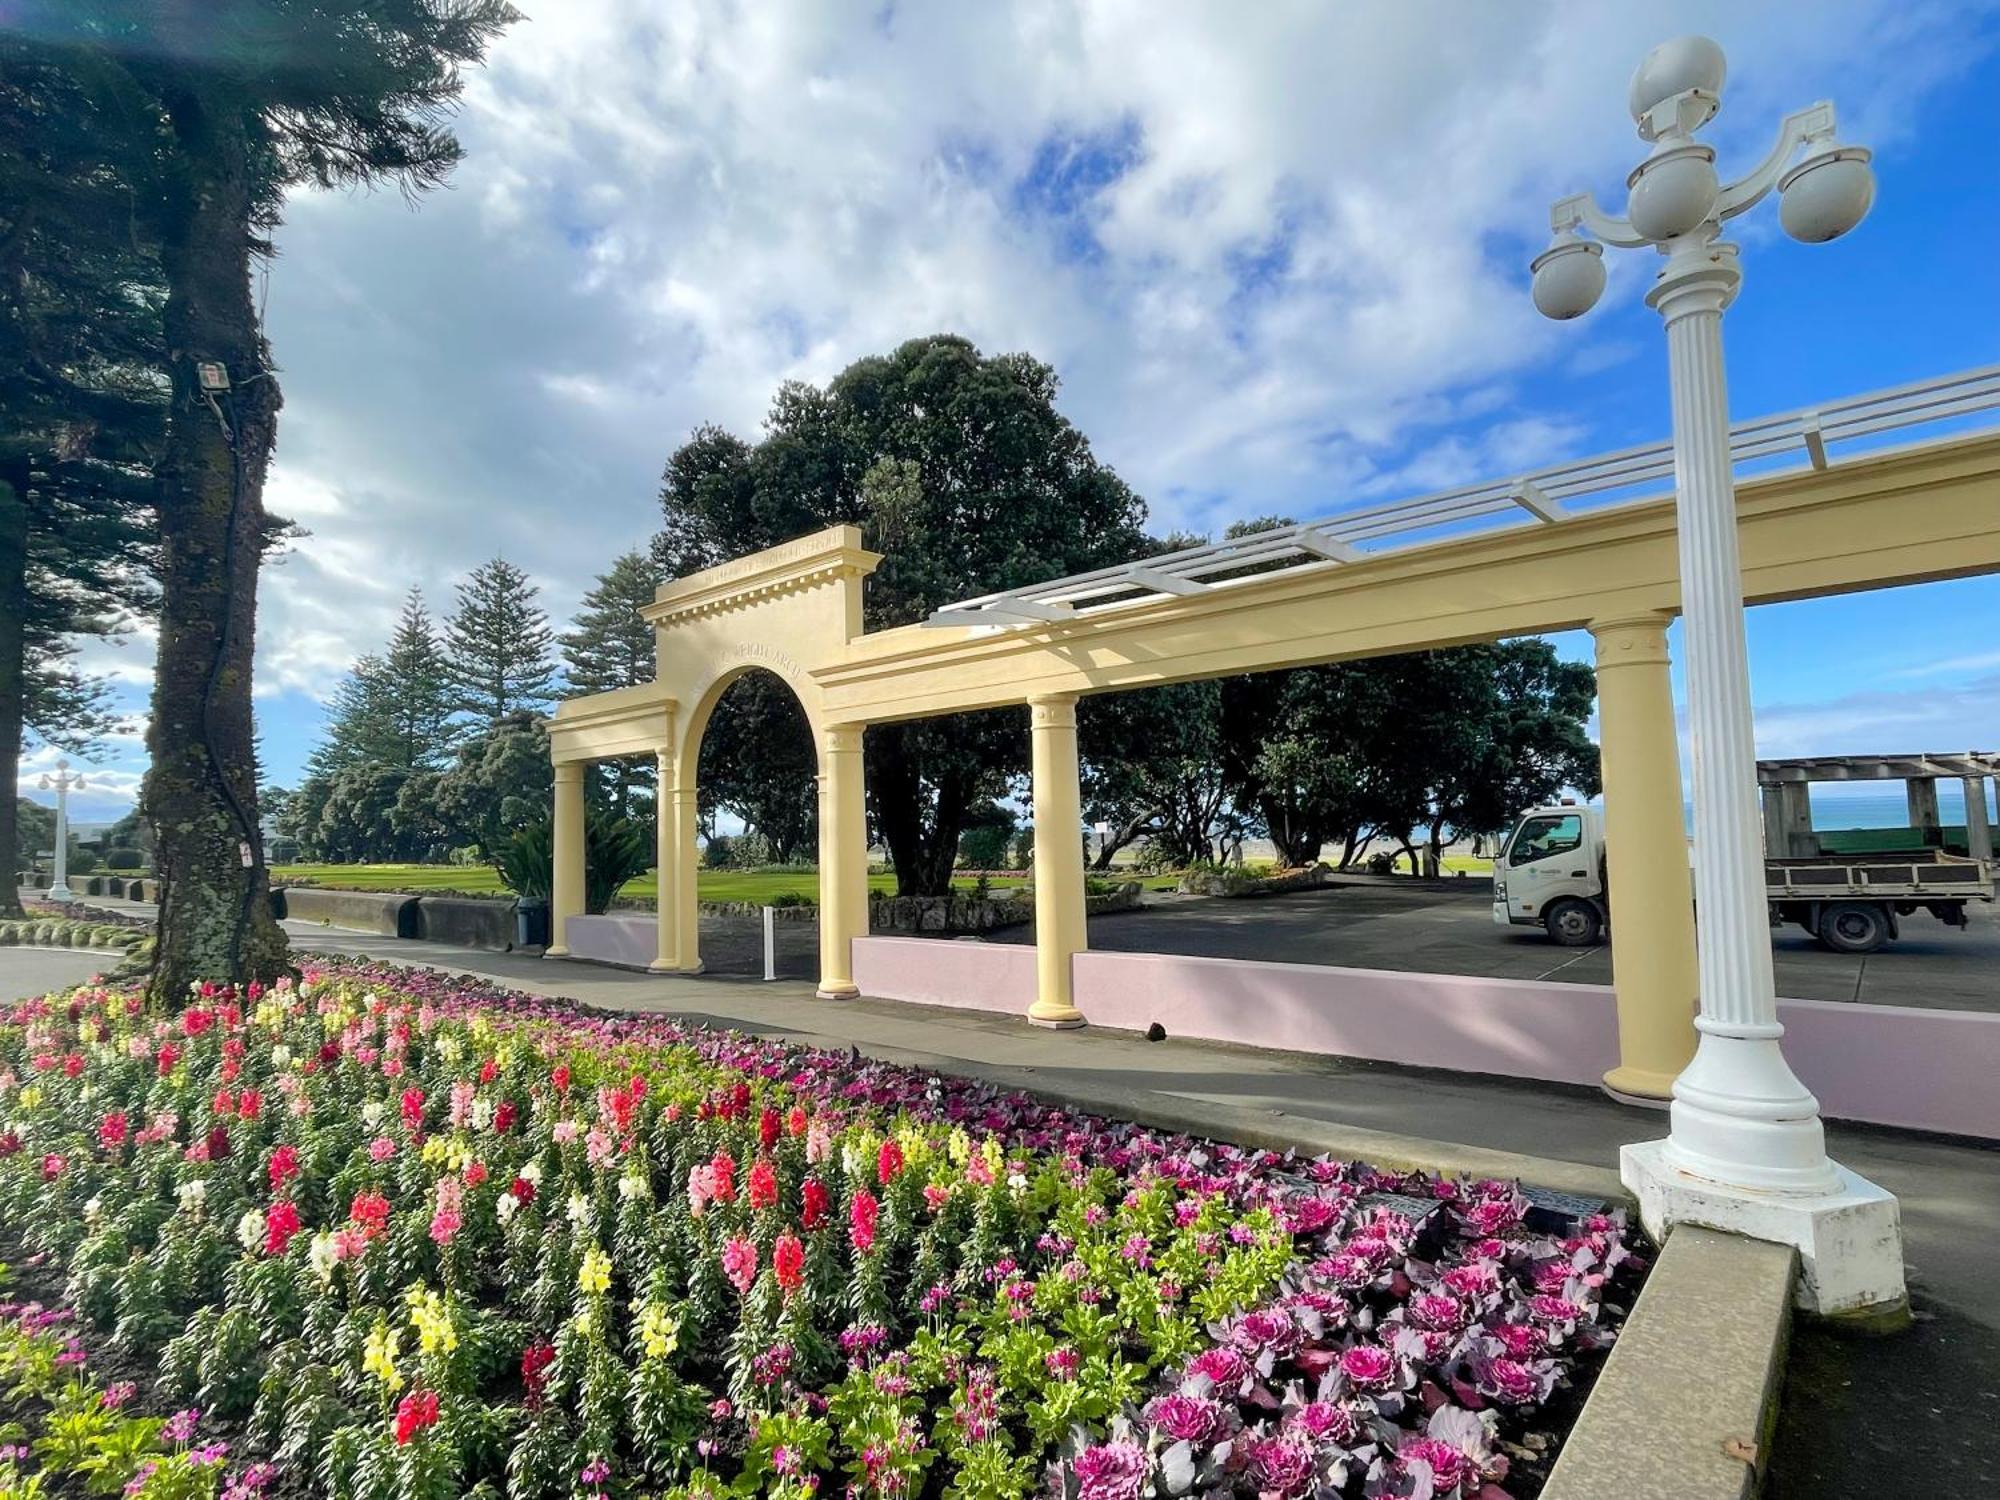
point(1550, 873)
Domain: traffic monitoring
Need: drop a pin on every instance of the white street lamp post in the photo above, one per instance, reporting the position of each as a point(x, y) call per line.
point(62, 784)
point(1746, 1151)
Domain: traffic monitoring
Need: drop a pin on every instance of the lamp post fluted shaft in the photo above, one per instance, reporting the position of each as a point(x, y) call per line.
point(62, 783)
point(1746, 1151)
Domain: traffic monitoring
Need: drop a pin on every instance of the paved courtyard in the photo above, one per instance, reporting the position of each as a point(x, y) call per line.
point(1433, 927)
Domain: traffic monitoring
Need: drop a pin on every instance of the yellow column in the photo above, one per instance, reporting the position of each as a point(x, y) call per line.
point(1645, 834)
point(666, 868)
point(843, 860)
point(1060, 929)
point(566, 895)
point(687, 898)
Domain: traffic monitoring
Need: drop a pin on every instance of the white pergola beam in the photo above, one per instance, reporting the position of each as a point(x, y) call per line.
point(1164, 583)
point(1332, 548)
point(1531, 498)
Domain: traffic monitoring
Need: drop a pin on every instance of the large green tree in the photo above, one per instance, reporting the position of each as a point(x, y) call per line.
point(498, 643)
point(958, 467)
point(610, 646)
point(211, 111)
point(82, 408)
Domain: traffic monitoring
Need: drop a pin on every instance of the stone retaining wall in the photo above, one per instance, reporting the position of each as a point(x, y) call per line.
point(390, 913)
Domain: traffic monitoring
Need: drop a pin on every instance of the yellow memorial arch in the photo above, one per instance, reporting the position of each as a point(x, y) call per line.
point(1587, 552)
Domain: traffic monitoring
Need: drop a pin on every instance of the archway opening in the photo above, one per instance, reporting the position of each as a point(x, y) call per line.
point(758, 780)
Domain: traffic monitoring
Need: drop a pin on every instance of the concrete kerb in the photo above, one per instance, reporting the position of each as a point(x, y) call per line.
point(1685, 1407)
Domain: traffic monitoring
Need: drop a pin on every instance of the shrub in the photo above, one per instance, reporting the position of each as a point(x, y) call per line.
point(614, 850)
point(717, 853)
point(125, 859)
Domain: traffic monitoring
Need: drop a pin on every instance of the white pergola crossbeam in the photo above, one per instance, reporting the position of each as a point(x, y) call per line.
point(1620, 478)
point(1164, 583)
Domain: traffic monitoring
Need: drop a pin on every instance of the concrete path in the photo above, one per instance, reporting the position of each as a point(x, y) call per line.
point(1446, 927)
point(28, 972)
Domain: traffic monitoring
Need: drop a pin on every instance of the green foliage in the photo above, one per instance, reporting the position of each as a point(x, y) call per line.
point(498, 645)
point(610, 646)
point(614, 850)
point(393, 711)
point(959, 468)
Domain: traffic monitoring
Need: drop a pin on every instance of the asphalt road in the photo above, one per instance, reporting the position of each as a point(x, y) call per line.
point(29, 972)
point(1437, 929)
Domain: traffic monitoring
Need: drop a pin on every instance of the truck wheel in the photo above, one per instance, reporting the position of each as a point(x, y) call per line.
point(1573, 923)
point(1853, 926)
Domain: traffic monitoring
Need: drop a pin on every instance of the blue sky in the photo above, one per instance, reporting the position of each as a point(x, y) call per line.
point(1277, 255)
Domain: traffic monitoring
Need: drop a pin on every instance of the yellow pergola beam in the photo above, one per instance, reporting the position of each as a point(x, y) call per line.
point(1910, 516)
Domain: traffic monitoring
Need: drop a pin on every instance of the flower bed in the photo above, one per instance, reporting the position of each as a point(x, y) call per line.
point(391, 1234)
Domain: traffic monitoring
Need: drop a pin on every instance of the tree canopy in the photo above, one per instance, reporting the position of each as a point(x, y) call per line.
point(957, 466)
point(498, 645)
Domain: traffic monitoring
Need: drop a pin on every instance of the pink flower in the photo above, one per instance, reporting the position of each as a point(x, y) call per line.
point(597, 1147)
point(1186, 1419)
point(381, 1149)
point(739, 1264)
point(1368, 1367)
point(566, 1132)
point(279, 1226)
point(1282, 1467)
point(1111, 1471)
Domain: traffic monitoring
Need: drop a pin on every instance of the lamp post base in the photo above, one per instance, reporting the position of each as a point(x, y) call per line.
point(1849, 1238)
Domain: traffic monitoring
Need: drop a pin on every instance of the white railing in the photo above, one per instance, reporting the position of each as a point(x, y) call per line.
point(1543, 497)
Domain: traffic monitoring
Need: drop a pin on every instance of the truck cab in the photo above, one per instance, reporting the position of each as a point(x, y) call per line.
point(1550, 874)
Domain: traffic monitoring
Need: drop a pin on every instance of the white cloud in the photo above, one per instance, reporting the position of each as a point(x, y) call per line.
point(1265, 246)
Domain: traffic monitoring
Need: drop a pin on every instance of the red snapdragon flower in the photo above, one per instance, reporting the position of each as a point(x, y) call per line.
point(535, 1362)
point(888, 1162)
point(488, 1071)
point(249, 1104)
point(788, 1262)
point(73, 1065)
point(169, 1055)
point(763, 1185)
point(861, 1211)
point(724, 1167)
point(559, 1076)
point(414, 1413)
point(370, 1212)
point(218, 1144)
point(767, 1127)
point(280, 1224)
point(413, 1108)
point(814, 1203)
point(522, 1190)
point(503, 1116)
point(284, 1166)
point(195, 1020)
point(116, 1126)
point(795, 1120)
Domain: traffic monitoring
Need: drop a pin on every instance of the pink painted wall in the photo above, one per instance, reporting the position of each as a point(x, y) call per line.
point(1924, 1069)
point(930, 971)
point(629, 942)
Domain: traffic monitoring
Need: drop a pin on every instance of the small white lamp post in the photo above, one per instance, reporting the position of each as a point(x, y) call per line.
point(1746, 1151)
point(62, 784)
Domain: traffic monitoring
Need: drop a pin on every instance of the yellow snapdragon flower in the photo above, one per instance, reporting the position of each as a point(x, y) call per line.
point(594, 1275)
point(378, 1358)
point(432, 1320)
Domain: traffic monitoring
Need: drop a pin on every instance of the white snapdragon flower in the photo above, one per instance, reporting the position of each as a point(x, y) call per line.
point(322, 1255)
point(92, 1209)
point(505, 1207)
point(482, 1114)
point(281, 1056)
point(194, 1194)
point(373, 1112)
point(579, 1210)
point(633, 1186)
point(532, 1172)
point(250, 1230)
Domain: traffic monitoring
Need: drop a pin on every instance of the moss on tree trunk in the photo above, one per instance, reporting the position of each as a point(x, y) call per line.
point(200, 796)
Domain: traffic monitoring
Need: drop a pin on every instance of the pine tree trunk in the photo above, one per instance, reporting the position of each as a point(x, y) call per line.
point(201, 794)
point(13, 679)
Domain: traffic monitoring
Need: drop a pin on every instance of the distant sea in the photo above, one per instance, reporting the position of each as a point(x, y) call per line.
point(1845, 809)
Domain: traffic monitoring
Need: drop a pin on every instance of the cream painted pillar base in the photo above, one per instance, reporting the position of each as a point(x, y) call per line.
point(843, 860)
point(1849, 1238)
point(1060, 928)
point(1653, 972)
point(566, 889)
point(686, 896)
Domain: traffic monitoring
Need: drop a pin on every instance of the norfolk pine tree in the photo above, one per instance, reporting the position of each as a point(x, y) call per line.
point(218, 107)
point(609, 647)
point(497, 643)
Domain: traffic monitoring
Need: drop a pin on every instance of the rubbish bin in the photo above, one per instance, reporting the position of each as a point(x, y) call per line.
point(277, 903)
point(531, 924)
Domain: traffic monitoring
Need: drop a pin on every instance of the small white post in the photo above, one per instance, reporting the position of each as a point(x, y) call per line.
point(770, 942)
